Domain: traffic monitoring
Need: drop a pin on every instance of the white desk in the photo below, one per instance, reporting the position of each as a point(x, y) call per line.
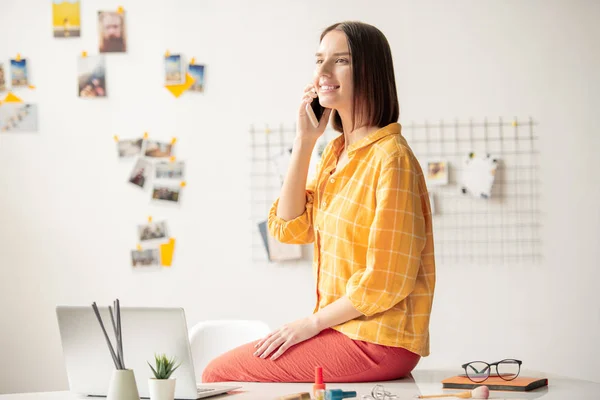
point(423, 382)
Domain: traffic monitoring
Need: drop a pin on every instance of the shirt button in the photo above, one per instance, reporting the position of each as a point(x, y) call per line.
point(332, 180)
point(324, 204)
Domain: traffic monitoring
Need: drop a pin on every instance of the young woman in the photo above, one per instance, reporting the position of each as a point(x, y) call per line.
point(367, 212)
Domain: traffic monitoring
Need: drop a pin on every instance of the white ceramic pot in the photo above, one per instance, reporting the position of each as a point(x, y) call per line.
point(123, 386)
point(161, 389)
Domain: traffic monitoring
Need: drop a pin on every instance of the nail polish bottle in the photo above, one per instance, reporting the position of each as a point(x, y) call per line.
point(319, 386)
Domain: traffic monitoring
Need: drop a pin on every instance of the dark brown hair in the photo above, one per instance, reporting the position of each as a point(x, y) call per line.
point(375, 100)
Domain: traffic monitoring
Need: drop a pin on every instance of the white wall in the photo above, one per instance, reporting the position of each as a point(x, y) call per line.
point(67, 216)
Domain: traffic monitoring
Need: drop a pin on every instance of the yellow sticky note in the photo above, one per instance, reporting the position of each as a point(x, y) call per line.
point(173, 140)
point(11, 98)
point(177, 90)
point(166, 253)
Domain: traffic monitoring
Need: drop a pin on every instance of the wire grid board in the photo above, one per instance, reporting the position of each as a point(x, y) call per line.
point(503, 229)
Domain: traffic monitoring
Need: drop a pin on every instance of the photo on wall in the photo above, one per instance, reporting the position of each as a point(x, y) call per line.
point(153, 231)
point(174, 70)
point(158, 149)
point(18, 117)
point(130, 147)
point(167, 193)
point(170, 170)
point(91, 76)
point(18, 73)
point(141, 173)
point(145, 258)
point(112, 32)
point(437, 173)
point(197, 72)
point(66, 18)
point(2, 78)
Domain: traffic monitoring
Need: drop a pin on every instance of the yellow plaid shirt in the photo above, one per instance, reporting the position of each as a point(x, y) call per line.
point(374, 242)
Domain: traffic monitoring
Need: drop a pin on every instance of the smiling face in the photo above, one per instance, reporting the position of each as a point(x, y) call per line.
point(333, 72)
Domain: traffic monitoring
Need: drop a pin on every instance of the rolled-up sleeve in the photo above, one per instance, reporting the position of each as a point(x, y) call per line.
point(396, 240)
point(294, 231)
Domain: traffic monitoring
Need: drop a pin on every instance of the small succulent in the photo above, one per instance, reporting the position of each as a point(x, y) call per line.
point(164, 366)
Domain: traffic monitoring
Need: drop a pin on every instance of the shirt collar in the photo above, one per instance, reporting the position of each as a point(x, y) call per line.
point(391, 129)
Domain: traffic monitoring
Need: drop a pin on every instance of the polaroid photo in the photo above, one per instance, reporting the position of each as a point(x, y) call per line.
point(158, 149)
point(169, 170)
point(2, 78)
point(91, 76)
point(153, 231)
point(18, 73)
point(169, 193)
point(145, 258)
point(111, 32)
point(174, 70)
point(66, 18)
point(197, 72)
point(436, 173)
point(18, 117)
point(129, 147)
point(141, 173)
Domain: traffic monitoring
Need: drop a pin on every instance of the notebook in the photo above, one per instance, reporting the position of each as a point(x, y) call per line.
point(519, 384)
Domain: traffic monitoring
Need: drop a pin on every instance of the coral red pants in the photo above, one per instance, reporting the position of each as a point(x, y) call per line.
point(342, 359)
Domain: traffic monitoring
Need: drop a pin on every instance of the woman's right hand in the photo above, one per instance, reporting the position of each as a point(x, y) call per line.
point(305, 128)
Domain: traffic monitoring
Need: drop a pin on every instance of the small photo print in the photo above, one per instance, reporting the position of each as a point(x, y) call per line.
point(18, 72)
point(145, 258)
point(170, 193)
point(18, 117)
point(130, 147)
point(197, 72)
point(170, 170)
point(158, 149)
point(437, 173)
point(112, 32)
point(141, 172)
point(66, 18)
point(174, 71)
point(91, 71)
point(2, 78)
point(153, 231)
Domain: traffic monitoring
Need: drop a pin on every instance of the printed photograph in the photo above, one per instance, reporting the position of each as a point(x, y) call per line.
point(169, 193)
point(141, 172)
point(112, 32)
point(130, 147)
point(437, 173)
point(174, 71)
point(18, 72)
point(153, 231)
point(18, 117)
point(197, 72)
point(2, 78)
point(170, 170)
point(91, 72)
point(158, 149)
point(145, 258)
point(66, 18)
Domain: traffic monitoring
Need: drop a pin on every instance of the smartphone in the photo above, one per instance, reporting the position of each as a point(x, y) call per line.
point(315, 112)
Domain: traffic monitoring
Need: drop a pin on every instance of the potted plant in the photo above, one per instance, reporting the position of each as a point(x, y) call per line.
point(162, 386)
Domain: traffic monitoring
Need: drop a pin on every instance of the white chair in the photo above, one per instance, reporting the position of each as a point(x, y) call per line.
point(209, 339)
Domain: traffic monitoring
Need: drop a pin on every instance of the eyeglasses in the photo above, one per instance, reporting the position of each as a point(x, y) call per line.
point(379, 393)
point(478, 371)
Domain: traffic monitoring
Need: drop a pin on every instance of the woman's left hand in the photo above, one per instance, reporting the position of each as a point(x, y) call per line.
point(286, 336)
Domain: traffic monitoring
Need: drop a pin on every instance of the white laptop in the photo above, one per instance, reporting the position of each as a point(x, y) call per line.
point(145, 331)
